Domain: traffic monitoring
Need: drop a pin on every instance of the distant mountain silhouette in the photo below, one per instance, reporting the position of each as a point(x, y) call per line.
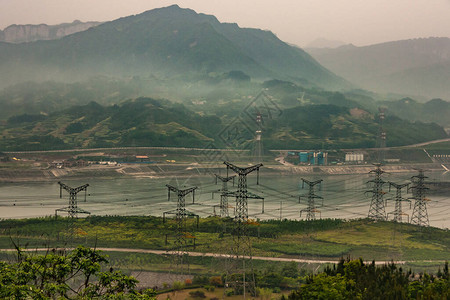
point(169, 42)
point(412, 67)
point(30, 33)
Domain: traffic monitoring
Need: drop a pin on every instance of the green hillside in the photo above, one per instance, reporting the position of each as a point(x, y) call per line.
point(435, 110)
point(149, 122)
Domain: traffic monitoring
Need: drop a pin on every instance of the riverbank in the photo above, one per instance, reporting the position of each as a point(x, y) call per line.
point(34, 173)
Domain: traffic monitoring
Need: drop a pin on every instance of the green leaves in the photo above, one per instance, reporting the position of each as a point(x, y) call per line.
point(357, 280)
point(73, 275)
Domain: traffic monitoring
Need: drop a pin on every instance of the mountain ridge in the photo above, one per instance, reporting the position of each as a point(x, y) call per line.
point(410, 67)
point(24, 33)
point(169, 41)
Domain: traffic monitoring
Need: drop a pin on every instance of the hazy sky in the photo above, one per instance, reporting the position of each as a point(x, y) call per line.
point(360, 22)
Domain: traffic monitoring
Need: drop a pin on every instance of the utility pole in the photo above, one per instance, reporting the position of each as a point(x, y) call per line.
point(398, 212)
point(181, 215)
point(420, 214)
point(311, 209)
point(242, 243)
point(224, 194)
point(377, 210)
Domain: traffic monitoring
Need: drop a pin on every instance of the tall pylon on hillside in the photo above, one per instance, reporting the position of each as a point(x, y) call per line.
point(420, 214)
point(377, 209)
point(311, 210)
point(398, 212)
point(381, 138)
point(257, 146)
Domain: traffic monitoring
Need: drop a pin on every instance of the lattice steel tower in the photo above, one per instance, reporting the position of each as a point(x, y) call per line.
point(257, 147)
point(73, 210)
point(420, 214)
point(377, 210)
point(381, 139)
point(311, 209)
point(181, 215)
point(242, 243)
point(398, 212)
point(224, 194)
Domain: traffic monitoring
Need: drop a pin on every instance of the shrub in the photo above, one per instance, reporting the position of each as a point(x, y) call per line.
point(209, 288)
point(178, 285)
point(215, 281)
point(197, 294)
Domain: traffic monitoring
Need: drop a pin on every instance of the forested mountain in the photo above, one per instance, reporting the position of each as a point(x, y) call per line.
point(149, 122)
point(409, 67)
point(435, 110)
point(167, 42)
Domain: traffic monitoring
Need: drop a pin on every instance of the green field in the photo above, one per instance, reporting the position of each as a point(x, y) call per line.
point(321, 239)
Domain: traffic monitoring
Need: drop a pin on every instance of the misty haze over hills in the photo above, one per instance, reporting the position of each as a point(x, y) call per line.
point(410, 67)
point(81, 90)
point(167, 42)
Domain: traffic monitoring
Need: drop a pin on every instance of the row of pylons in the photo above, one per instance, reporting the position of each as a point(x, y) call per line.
point(377, 209)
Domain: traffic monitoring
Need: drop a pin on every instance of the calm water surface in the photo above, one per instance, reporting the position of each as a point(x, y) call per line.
point(343, 197)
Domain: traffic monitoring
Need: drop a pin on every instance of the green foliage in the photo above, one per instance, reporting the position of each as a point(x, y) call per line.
point(197, 294)
point(357, 280)
point(74, 275)
point(290, 270)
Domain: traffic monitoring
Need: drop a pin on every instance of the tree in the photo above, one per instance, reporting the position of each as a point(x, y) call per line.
point(69, 275)
point(290, 270)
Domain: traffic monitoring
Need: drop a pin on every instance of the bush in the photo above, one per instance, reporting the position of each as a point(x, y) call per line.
point(197, 294)
point(209, 288)
point(178, 285)
point(216, 281)
point(201, 279)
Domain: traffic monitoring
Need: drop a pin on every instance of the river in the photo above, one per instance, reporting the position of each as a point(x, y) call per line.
point(343, 197)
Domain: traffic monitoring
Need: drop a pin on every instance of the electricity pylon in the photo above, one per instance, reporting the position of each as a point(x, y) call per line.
point(377, 210)
point(381, 139)
point(398, 212)
point(181, 215)
point(257, 147)
point(242, 243)
point(224, 194)
point(73, 210)
point(311, 209)
point(420, 214)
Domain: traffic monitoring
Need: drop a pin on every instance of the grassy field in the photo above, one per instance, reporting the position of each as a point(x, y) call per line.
point(423, 249)
point(321, 239)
